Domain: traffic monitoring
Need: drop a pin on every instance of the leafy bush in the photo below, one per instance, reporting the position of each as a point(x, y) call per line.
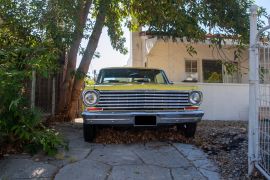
point(24, 128)
point(19, 124)
point(214, 77)
point(21, 52)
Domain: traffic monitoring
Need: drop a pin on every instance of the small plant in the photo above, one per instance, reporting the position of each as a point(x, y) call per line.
point(22, 127)
point(214, 78)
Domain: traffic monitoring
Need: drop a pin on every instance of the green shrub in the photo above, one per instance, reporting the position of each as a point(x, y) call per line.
point(214, 78)
point(21, 126)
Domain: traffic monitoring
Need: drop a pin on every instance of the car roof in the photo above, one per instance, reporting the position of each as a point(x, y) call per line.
point(131, 68)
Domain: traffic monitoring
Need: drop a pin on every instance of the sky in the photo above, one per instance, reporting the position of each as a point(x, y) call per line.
point(111, 58)
point(108, 56)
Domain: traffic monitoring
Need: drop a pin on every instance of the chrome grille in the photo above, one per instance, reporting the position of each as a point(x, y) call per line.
point(143, 100)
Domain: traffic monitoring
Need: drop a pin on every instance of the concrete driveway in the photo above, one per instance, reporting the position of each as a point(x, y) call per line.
point(155, 160)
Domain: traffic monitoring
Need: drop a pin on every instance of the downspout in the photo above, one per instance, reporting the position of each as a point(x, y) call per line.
point(144, 52)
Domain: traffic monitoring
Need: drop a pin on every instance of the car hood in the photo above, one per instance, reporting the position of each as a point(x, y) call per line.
point(143, 86)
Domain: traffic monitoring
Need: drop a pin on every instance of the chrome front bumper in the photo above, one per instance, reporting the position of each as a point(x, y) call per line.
point(128, 118)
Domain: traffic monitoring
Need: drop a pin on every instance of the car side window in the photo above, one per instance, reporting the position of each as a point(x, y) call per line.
point(159, 78)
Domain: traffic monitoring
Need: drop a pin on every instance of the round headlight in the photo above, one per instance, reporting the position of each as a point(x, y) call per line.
point(195, 97)
point(90, 98)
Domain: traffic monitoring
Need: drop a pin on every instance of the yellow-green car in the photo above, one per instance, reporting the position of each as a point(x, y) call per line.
point(139, 97)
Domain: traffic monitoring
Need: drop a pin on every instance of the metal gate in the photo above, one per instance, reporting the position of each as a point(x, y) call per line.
point(259, 109)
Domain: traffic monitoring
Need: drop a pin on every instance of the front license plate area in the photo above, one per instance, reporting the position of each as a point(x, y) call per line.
point(145, 121)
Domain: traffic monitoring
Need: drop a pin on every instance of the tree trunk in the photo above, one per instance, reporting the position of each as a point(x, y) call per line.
point(86, 59)
point(67, 85)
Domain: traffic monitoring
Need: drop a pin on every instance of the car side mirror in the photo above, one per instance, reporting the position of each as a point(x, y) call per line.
point(95, 76)
point(95, 79)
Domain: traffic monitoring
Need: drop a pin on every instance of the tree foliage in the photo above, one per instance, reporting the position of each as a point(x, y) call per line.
point(194, 19)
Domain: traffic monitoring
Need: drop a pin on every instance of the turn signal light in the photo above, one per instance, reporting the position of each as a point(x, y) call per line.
point(94, 109)
point(191, 108)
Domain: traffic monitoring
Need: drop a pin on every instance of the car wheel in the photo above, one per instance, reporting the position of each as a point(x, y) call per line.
point(188, 129)
point(89, 132)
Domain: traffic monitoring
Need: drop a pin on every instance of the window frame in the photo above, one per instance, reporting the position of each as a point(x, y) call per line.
point(203, 70)
point(191, 66)
point(191, 70)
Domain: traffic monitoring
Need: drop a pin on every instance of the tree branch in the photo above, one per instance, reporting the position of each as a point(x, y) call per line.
point(78, 35)
point(72, 55)
point(93, 40)
point(87, 57)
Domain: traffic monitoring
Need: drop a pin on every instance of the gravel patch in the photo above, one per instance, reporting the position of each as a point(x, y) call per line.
point(227, 144)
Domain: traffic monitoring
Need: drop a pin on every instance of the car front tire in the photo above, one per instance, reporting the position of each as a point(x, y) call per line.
point(188, 129)
point(89, 132)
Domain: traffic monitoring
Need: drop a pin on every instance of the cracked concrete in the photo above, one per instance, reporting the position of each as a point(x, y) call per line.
point(155, 160)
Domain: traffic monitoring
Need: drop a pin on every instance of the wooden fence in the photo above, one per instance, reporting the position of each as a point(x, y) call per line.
point(45, 94)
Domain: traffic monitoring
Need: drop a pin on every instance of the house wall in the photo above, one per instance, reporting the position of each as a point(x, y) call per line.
point(170, 56)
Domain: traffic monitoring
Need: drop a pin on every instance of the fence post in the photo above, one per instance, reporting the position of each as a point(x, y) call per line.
point(53, 96)
point(252, 90)
point(33, 89)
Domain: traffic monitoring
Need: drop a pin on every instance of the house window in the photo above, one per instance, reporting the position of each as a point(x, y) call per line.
point(212, 71)
point(191, 70)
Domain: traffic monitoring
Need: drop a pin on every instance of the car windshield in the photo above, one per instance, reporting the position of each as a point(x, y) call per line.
point(132, 76)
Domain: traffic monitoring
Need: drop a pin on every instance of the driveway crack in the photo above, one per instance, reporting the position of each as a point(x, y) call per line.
point(191, 162)
point(140, 158)
point(171, 174)
point(109, 173)
point(57, 171)
point(88, 154)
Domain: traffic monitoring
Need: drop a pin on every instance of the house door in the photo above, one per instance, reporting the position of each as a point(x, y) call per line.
point(212, 71)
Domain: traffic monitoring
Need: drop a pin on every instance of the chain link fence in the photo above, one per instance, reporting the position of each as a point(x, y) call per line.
point(259, 98)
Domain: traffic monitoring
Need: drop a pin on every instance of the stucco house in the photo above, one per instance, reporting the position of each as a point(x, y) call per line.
point(225, 91)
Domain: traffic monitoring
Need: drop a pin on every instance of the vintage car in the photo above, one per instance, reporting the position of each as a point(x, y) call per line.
point(139, 97)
